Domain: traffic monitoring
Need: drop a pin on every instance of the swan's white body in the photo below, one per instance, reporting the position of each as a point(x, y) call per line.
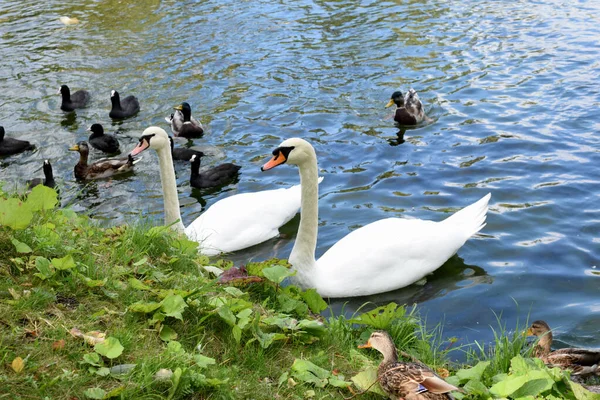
point(231, 224)
point(385, 255)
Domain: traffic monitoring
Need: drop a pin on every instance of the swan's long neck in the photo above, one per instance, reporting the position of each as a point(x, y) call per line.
point(169, 188)
point(302, 257)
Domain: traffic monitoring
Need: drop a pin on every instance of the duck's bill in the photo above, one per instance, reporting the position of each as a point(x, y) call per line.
point(390, 103)
point(528, 332)
point(74, 148)
point(178, 107)
point(273, 162)
point(365, 346)
point(142, 145)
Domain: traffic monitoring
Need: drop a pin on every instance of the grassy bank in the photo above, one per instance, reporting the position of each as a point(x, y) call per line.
point(133, 312)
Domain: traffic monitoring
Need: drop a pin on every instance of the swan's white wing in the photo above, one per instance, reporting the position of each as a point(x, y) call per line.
point(244, 220)
point(385, 255)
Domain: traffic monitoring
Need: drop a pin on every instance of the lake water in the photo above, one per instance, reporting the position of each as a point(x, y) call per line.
point(513, 88)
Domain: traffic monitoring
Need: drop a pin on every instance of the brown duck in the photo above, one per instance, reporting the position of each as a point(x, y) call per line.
point(102, 168)
point(580, 361)
point(406, 380)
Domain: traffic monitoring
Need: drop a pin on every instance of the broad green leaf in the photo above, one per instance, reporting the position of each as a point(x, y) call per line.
point(43, 265)
point(92, 359)
point(167, 333)
point(203, 361)
point(94, 282)
point(140, 262)
point(103, 371)
point(300, 365)
point(365, 379)
point(237, 333)
point(95, 393)
point(243, 318)
point(144, 307)
point(508, 386)
point(235, 292)
point(473, 373)
point(175, 379)
point(21, 247)
point(314, 300)
point(122, 369)
point(381, 317)
point(174, 347)
point(63, 264)
point(226, 314)
point(173, 306)
point(537, 383)
point(138, 285)
point(282, 379)
point(288, 305)
point(277, 273)
point(115, 392)
point(475, 386)
point(42, 198)
point(581, 393)
point(14, 213)
point(110, 348)
point(338, 381)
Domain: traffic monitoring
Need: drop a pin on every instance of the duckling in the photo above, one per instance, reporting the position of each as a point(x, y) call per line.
point(102, 142)
point(183, 124)
point(182, 153)
point(48, 179)
point(405, 380)
point(70, 102)
point(10, 146)
point(102, 168)
point(580, 361)
point(409, 108)
point(217, 176)
point(125, 108)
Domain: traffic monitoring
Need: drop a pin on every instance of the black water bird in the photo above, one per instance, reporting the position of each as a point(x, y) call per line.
point(48, 179)
point(213, 177)
point(182, 153)
point(123, 108)
point(101, 141)
point(70, 102)
point(10, 146)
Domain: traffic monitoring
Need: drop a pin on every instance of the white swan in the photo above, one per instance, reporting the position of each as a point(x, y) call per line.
point(384, 255)
point(231, 224)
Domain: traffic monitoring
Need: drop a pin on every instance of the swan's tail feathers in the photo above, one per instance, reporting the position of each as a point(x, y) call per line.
point(470, 219)
point(320, 179)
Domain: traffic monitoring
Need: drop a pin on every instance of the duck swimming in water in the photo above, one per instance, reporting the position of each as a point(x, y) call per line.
point(10, 146)
point(409, 109)
point(183, 124)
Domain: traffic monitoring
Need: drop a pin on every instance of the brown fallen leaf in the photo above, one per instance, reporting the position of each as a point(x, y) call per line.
point(443, 372)
point(58, 345)
point(31, 333)
point(92, 338)
point(17, 365)
point(15, 295)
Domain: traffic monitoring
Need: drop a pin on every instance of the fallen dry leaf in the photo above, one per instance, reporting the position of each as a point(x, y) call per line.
point(17, 365)
point(16, 295)
point(31, 333)
point(443, 372)
point(58, 345)
point(92, 338)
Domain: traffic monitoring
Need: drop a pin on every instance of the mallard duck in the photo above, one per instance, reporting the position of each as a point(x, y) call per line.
point(409, 108)
point(70, 102)
point(579, 361)
point(10, 146)
point(405, 380)
point(183, 124)
point(123, 108)
point(102, 168)
point(233, 223)
point(216, 176)
point(379, 257)
point(48, 179)
point(182, 153)
point(101, 141)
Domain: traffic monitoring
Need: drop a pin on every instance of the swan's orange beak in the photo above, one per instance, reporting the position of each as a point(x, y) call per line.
point(273, 162)
point(366, 345)
point(142, 145)
point(390, 103)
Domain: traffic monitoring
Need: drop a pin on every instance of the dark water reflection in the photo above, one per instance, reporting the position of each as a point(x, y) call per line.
point(512, 89)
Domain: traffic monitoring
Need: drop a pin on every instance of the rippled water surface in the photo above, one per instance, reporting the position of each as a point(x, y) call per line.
point(512, 88)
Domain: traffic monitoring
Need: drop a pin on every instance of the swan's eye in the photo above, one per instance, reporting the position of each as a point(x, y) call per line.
point(146, 138)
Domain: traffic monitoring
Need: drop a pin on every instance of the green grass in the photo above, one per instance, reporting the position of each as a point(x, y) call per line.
point(147, 290)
